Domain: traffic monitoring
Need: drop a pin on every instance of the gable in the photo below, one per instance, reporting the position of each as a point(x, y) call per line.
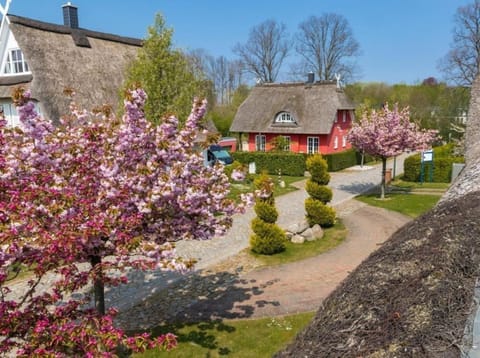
point(93, 64)
point(12, 59)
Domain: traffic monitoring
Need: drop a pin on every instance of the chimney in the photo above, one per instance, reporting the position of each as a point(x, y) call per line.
point(70, 15)
point(310, 77)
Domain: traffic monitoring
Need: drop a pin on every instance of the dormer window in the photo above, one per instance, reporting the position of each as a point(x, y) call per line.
point(284, 117)
point(15, 62)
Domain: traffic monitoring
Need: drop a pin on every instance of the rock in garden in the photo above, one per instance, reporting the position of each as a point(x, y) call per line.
point(299, 227)
point(317, 231)
point(308, 235)
point(298, 239)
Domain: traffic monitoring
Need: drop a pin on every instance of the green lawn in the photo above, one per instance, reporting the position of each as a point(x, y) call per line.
point(247, 187)
point(414, 185)
point(240, 338)
point(412, 205)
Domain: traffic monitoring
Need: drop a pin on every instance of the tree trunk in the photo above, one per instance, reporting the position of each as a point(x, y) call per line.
point(98, 286)
point(384, 171)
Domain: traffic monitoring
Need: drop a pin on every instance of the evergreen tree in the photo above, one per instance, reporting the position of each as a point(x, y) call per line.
point(165, 74)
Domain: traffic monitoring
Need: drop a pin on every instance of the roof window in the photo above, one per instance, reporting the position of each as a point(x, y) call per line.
point(284, 117)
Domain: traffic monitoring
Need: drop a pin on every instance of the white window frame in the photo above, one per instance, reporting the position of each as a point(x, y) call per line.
point(344, 141)
point(288, 140)
point(260, 142)
point(15, 62)
point(335, 142)
point(313, 145)
point(284, 117)
point(344, 116)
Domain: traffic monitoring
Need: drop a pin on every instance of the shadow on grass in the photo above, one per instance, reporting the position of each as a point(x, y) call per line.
point(195, 306)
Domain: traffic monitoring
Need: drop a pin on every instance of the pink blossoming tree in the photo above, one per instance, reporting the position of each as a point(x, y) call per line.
point(387, 133)
point(82, 202)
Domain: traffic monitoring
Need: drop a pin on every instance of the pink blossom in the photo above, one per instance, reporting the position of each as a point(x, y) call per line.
point(90, 189)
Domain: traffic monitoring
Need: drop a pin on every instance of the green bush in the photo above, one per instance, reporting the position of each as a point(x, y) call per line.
point(341, 160)
point(319, 192)
point(318, 169)
point(291, 164)
point(442, 167)
point(319, 213)
point(273, 240)
point(266, 212)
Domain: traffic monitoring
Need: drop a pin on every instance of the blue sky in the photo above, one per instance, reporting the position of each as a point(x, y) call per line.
point(401, 40)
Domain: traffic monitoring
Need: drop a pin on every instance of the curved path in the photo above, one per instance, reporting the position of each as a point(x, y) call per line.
point(273, 291)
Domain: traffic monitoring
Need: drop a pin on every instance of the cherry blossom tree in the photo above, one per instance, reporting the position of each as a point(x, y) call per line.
point(387, 133)
point(83, 202)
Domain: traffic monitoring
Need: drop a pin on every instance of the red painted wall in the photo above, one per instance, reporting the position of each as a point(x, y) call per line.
point(298, 142)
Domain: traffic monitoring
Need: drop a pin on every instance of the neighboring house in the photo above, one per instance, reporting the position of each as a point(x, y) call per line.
point(47, 58)
point(314, 117)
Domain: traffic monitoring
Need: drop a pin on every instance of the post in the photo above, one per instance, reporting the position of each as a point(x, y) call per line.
point(394, 167)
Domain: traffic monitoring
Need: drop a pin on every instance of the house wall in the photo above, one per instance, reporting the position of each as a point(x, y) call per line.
point(298, 142)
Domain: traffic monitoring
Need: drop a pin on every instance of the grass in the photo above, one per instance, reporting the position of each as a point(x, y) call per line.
point(333, 237)
point(247, 187)
point(239, 338)
point(412, 205)
point(414, 185)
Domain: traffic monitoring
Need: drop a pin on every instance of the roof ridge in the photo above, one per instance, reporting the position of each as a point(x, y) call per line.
point(62, 29)
point(297, 84)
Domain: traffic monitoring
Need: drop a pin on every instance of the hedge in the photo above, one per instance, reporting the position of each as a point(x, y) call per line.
point(442, 166)
point(345, 159)
point(291, 164)
point(294, 164)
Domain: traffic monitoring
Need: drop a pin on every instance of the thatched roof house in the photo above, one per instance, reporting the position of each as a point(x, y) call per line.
point(47, 58)
point(299, 111)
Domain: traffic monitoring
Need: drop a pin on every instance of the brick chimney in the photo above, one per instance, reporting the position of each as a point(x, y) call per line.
point(70, 15)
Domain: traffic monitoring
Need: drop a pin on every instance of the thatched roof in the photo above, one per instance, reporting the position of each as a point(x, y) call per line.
point(314, 107)
point(92, 63)
point(414, 297)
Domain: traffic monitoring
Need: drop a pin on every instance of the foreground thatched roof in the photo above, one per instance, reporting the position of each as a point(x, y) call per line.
point(314, 107)
point(414, 296)
point(59, 57)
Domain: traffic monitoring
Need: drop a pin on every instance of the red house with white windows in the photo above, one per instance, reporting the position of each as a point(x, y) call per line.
point(313, 117)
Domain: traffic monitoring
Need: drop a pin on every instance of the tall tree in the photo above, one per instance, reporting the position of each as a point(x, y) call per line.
point(267, 47)
point(327, 46)
point(460, 65)
point(387, 133)
point(82, 203)
point(165, 73)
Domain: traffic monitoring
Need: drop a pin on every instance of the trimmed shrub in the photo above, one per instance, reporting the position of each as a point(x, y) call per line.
point(442, 167)
point(319, 213)
point(272, 241)
point(292, 164)
point(341, 160)
point(319, 192)
point(269, 238)
point(266, 212)
point(318, 169)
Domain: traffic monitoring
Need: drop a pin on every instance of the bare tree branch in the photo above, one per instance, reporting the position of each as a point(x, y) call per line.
point(460, 65)
point(327, 46)
point(265, 50)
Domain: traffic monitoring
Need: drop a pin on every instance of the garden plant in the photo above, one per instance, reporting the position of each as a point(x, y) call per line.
point(83, 202)
point(320, 194)
point(267, 238)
